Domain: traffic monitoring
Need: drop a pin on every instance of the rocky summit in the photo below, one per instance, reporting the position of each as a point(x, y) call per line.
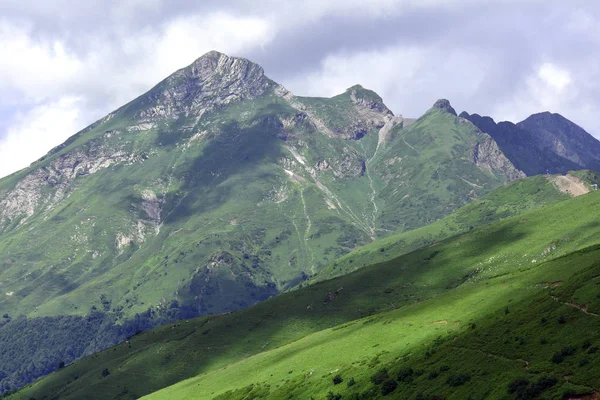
point(219, 188)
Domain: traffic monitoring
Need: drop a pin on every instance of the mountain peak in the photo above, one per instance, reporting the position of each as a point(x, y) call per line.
point(367, 99)
point(444, 105)
point(212, 80)
point(218, 64)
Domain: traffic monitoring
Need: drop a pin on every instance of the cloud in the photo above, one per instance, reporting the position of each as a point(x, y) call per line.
point(409, 78)
point(32, 70)
point(69, 89)
point(34, 133)
point(555, 77)
point(504, 58)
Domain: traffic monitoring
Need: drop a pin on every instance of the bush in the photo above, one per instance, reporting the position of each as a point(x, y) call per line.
point(332, 396)
point(433, 375)
point(542, 384)
point(351, 382)
point(337, 379)
point(380, 376)
point(405, 374)
point(458, 380)
point(525, 390)
point(592, 350)
point(388, 387)
point(562, 320)
point(105, 372)
point(586, 344)
point(566, 351)
point(517, 385)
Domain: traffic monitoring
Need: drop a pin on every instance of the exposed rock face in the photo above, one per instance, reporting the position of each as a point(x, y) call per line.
point(368, 113)
point(488, 156)
point(368, 99)
point(537, 146)
point(213, 80)
point(557, 134)
point(48, 185)
point(444, 105)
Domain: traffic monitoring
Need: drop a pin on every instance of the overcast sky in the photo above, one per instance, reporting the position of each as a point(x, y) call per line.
point(66, 63)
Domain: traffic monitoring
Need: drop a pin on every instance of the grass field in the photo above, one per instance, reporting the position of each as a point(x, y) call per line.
point(387, 315)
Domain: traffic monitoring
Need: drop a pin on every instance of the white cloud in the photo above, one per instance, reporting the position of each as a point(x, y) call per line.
point(408, 78)
point(48, 77)
point(548, 88)
point(554, 77)
point(35, 132)
point(34, 70)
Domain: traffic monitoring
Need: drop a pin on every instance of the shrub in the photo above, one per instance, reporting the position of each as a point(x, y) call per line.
point(587, 344)
point(380, 376)
point(542, 384)
point(61, 365)
point(458, 380)
point(562, 320)
point(525, 390)
point(332, 396)
point(517, 385)
point(388, 387)
point(543, 341)
point(592, 350)
point(433, 375)
point(566, 351)
point(105, 372)
point(405, 374)
point(351, 382)
point(337, 379)
point(444, 368)
point(584, 362)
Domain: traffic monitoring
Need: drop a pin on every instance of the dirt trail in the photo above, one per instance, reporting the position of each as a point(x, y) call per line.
point(582, 308)
point(569, 184)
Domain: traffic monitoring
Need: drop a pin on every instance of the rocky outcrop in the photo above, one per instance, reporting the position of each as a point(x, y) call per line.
point(212, 81)
point(488, 157)
point(444, 105)
point(360, 112)
point(48, 185)
point(541, 151)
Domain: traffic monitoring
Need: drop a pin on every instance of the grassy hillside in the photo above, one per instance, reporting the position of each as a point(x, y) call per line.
point(387, 315)
point(513, 199)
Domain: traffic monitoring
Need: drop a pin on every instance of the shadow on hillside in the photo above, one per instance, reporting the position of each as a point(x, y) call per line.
point(230, 161)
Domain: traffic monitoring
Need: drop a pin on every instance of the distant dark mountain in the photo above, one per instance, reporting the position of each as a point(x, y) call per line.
point(544, 143)
point(557, 134)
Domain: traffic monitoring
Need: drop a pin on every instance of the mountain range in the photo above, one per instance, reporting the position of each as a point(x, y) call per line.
point(219, 188)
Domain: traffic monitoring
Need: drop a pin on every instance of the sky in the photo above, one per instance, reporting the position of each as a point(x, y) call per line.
point(66, 63)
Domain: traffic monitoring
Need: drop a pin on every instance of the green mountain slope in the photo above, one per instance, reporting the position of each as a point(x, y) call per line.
point(219, 188)
point(388, 315)
point(215, 190)
point(513, 199)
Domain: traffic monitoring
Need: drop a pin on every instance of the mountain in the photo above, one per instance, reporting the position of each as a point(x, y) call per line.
point(219, 188)
point(504, 311)
point(213, 191)
point(513, 199)
point(543, 143)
